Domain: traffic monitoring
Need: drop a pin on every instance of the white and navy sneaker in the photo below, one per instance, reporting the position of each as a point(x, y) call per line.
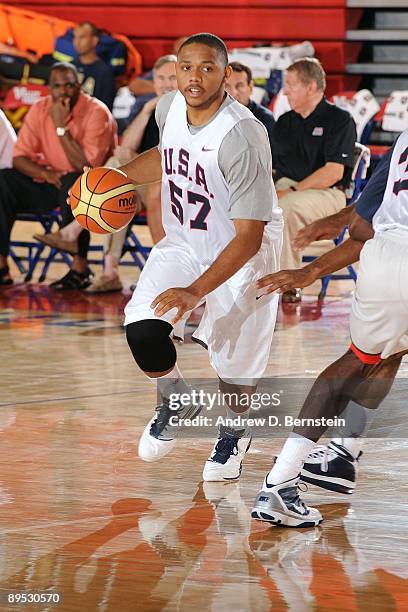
point(225, 461)
point(160, 434)
point(281, 505)
point(331, 467)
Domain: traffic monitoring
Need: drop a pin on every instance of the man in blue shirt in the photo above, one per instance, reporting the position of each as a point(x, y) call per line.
point(97, 77)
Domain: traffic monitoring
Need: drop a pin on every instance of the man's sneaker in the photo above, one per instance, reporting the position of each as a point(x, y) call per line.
point(331, 467)
point(159, 435)
point(225, 461)
point(281, 505)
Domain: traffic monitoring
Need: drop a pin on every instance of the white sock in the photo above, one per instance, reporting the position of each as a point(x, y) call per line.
point(231, 415)
point(171, 384)
point(353, 445)
point(291, 459)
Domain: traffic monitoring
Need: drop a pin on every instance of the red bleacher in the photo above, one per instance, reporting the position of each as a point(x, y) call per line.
point(152, 26)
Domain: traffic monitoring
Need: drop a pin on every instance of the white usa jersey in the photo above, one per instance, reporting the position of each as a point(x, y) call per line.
point(195, 195)
point(393, 212)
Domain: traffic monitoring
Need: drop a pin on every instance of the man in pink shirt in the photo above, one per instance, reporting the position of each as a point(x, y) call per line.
point(61, 134)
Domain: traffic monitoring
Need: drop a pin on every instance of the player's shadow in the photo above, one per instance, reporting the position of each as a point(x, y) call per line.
point(228, 329)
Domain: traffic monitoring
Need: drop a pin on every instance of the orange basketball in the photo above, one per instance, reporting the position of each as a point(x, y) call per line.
point(103, 200)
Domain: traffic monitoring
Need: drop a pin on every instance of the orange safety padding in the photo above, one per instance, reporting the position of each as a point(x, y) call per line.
point(36, 32)
point(30, 31)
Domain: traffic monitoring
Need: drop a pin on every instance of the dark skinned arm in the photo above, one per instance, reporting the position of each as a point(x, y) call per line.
point(26, 166)
point(145, 168)
point(348, 252)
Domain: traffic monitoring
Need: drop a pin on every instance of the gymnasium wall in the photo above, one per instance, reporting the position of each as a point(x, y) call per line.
point(153, 25)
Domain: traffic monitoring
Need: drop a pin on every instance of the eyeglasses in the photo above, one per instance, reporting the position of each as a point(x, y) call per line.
point(68, 85)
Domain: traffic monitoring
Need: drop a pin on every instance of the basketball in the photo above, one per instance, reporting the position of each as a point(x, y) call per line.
point(103, 200)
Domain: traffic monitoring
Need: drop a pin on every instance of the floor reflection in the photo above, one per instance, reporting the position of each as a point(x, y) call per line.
point(40, 298)
point(211, 557)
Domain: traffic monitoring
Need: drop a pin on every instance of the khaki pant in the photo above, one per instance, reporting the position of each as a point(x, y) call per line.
point(113, 243)
point(301, 208)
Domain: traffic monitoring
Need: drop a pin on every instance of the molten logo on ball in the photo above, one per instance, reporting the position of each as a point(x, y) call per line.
point(126, 201)
point(103, 200)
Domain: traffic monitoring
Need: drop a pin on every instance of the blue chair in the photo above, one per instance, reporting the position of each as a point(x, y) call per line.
point(358, 179)
point(137, 251)
point(27, 254)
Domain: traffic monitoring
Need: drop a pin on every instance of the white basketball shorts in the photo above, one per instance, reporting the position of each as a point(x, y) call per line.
point(236, 328)
point(379, 310)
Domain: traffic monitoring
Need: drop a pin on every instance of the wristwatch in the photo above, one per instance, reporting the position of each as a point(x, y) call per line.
point(61, 131)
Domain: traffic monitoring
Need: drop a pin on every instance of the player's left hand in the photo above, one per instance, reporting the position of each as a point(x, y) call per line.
point(322, 229)
point(184, 299)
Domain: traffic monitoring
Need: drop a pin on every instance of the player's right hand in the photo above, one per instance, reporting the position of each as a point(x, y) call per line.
point(182, 298)
point(285, 280)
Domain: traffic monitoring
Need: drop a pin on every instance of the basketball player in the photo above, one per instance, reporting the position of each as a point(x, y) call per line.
point(354, 385)
point(223, 228)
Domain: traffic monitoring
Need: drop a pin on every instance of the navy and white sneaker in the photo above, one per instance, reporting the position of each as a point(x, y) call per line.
point(160, 435)
point(281, 505)
point(331, 467)
point(225, 461)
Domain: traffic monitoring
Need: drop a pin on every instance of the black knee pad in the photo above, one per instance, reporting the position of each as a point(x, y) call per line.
point(151, 346)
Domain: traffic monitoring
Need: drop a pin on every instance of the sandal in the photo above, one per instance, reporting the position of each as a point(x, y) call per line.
point(5, 279)
point(55, 241)
point(73, 281)
point(104, 284)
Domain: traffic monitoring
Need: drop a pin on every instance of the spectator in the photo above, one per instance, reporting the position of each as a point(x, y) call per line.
point(141, 86)
point(163, 80)
point(144, 90)
point(97, 77)
point(142, 134)
point(61, 133)
point(240, 86)
point(7, 141)
point(313, 155)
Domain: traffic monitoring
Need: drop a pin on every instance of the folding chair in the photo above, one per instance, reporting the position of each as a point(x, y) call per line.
point(279, 105)
point(363, 107)
point(391, 120)
point(33, 251)
point(132, 246)
point(361, 165)
point(137, 251)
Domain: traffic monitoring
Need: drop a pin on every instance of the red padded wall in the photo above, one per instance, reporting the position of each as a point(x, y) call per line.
point(270, 4)
point(152, 25)
point(258, 23)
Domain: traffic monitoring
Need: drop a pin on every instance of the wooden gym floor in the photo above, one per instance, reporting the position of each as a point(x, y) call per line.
point(82, 516)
